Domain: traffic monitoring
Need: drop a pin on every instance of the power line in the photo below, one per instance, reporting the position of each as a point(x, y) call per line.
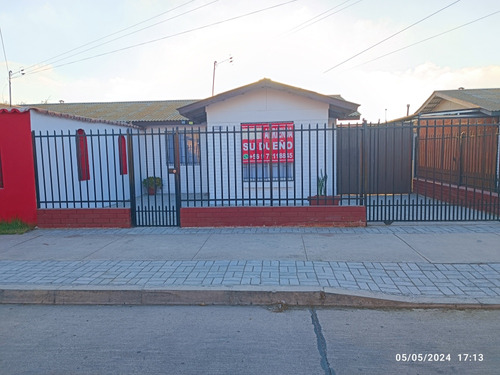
point(166, 37)
point(307, 24)
point(44, 62)
point(431, 37)
point(298, 27)
point(391, 36)
point(112, 40)
point(5, 55)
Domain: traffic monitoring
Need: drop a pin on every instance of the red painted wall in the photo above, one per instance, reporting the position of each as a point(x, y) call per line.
point(84, 218)
point(304, 216)
point(18, 195)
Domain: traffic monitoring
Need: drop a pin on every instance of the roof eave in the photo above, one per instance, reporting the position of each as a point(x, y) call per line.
point(196, 111)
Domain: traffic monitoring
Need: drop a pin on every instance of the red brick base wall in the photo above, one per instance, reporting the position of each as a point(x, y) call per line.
point(84, 218)
point(467, 197)
point(305, 216)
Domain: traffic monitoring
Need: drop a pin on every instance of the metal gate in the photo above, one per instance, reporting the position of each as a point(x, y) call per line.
point(375, 159)
point(430, 170)
point(154, 178)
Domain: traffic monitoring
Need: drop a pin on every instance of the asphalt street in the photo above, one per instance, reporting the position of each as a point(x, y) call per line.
point(205, 340)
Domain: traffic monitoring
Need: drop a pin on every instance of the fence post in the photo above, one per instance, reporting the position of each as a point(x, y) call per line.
point(177, 176)
point(131, 176)
point(364, 134)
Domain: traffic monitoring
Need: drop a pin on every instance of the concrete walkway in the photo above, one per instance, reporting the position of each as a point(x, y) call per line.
point(405, 265)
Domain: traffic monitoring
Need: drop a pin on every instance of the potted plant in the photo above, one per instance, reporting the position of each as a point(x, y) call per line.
point(151, 184)
point(321, 198)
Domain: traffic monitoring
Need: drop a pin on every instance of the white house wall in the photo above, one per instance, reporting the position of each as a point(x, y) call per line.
point(264, 106)
point(267, 105)
point(57, 164)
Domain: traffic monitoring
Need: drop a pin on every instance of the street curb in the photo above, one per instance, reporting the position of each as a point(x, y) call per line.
point(282, 298)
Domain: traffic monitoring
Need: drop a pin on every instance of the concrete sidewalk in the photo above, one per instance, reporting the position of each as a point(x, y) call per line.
point(402, 265)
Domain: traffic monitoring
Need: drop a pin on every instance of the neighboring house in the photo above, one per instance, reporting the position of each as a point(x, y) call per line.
point(66, 161)
point(463, 103)
point(144, 114)
point(457, 150)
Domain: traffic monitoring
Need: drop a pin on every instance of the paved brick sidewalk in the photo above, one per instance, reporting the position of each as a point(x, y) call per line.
point(411, 228)
point(406, 279)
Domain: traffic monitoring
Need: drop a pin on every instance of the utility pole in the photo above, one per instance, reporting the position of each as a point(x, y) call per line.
point(230, 59)
point(10, 88)
point(12, 75)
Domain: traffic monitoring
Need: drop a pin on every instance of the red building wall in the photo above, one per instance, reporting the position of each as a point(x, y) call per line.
point(17, 188)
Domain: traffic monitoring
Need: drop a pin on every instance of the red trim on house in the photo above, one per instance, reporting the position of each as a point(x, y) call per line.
point(82, 152)
point(84, 218)
point(303, 216)
point(122, 152)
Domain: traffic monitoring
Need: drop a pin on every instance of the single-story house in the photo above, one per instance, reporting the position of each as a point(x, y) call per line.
point(262, 144)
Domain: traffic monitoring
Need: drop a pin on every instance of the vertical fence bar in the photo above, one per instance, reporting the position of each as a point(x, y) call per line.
point(35, 164)
point(50, 171)
point(177, 166)
point(71, 166)
point(191, 165)
point(117, 161)
point(131, 178)
point(235, 163)
point(66, 195)
point(208, 167)
point(228, 179)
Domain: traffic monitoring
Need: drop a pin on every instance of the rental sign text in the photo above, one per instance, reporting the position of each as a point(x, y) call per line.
point(268, 142)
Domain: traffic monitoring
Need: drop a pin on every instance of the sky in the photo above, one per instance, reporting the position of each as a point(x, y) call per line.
point(381, 54)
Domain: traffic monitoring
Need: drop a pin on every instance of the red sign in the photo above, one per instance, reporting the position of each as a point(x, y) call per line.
point(264, 143)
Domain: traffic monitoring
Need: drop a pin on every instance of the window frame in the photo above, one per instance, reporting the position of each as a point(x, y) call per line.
point(189, 155)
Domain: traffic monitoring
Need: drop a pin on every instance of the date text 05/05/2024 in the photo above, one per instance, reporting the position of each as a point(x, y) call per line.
point(439, 357)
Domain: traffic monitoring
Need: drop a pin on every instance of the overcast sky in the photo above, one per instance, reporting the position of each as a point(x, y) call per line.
point(328, 46)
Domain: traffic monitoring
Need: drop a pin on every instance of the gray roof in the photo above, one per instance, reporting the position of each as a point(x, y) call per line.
point(488, 100)
point(144, 112)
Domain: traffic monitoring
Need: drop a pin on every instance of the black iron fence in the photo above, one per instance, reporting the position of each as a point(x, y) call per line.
point(81, 170)
point(399, 171)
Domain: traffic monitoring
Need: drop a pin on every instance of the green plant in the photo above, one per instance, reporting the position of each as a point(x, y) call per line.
point(14, 227)
point(322, 178)
point(152, 182)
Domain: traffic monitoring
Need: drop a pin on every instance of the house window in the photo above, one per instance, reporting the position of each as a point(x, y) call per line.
point(82, 155)
point(122, 154)
point(1, 173)
point(189, 148)
point(268, 151)
point(263, 172)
